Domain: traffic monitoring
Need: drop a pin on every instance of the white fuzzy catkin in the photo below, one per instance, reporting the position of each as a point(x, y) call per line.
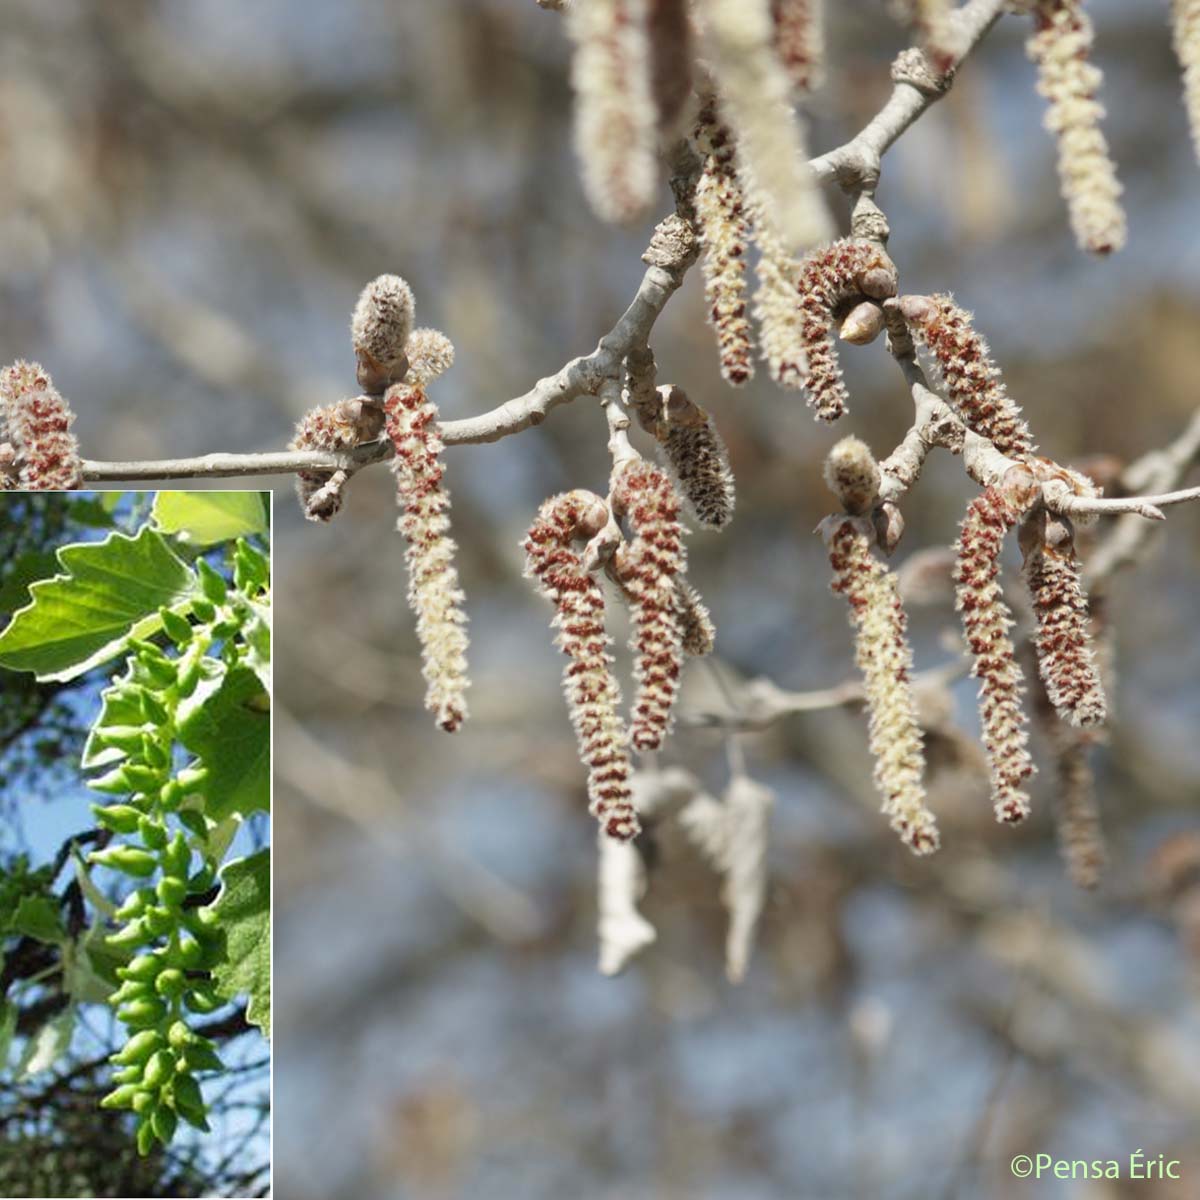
point(430, 355)
point(433, 588)
point(381, 324)
point(615, 111)
point(1185, 36)
point(755, 90)
point(937, 31)
point(41, 453)
point(852, 475)
point(885, 659)
point(724, 237)
point(1060, 45)
point(800, 41)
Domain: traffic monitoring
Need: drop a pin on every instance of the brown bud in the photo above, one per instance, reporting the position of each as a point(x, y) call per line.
point(917, 310)
point(889, 526)
point(879, 283)
point(862, 324)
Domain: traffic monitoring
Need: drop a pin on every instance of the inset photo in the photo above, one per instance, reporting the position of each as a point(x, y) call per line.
point(135, 860)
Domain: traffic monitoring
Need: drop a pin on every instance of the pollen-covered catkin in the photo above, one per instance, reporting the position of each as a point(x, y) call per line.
point(1185, 36)
point(852, 475)
point(973, 384)
point(333, 428)
point(434, 593)
point(724, 236)
point(379, 330)
point(648, 568)
point(615, 111)
point(593, 697)
point(885, 659)
point(1066, 662)
point(697, 631)
point(1060, 46)
point(43, 453)
point(694, 452)
point(800, 41)
point(986, 624)
point(739, 38)
point(829, 277)
point(430, 355)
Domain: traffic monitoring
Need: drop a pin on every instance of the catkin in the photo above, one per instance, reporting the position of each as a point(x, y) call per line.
point(430, 355)
point(1185, 36)
point(724, 235)
point(986, 624)
point(693, 451)
point(615, 112)
point(332, 428)
point(593, 696)
point(1060, 46)
point(799, 35)
point(434, 593)
point(379, 330)
point(973, 384)
point(648, 568)
point(885, 658)
point(42, 453)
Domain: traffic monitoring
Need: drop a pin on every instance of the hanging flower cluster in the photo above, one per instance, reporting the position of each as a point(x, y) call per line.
point(593, 695)
point(693, 451)
point(1185, 36)
point(38, 452)
point(800, 41)
point(1060, 46)
point(881, 644)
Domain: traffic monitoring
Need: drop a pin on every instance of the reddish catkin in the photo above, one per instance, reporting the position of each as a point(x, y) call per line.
point(593, 697)
point(332, 428)
point(800, 41)
point(694, 452)
point(615, 113)
point(1185, 36)
point(1066, 662)
point(648, 569)
point(885, 659)
point(828, 278)
point(1060, 46)
point(972, 381)
point(43, 454)
point(986, 624)
point(724, 236)
point(434, 593)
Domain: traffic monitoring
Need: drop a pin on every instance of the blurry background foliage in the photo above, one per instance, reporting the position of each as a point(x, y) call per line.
point(192, 196)
point(56, 1031)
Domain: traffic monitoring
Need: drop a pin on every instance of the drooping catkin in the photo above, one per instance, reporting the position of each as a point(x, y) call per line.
point(1060, 47)
point(672, 60)
point(986, 623)
point(828, 278)
point(1185, 36)
point(937, 31)
point(332, 428)
point(799, 27)
point(615, 111)
point(693, 451)
point(379, 330)
point(434, 593)
point(972, 381)
point(648, 568)
point(430, 355)
point(885, 658)
point(1063, 642)
point(593, 697)
point(852, 475)
point(43, 455)
point(697, 631)
point(724, 236)
point(755, 90)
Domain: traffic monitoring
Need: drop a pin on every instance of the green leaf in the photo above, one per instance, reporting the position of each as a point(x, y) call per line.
point(24, 570)
point(37, 917)
point(112, 591)
point(227, 723)
point(90, 512)
point(47, 1045)
point(94, 896)
point(244, 911)
point(203, 518)
point(81, 980)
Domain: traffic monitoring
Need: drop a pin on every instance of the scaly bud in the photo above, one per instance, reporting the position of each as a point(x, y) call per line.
point(1064, 648)
point(828, 278)
point(40, 451)
point(852, 475)
point(1060, 46)
point(885, 659)
point(593, 697)
point(724, 235)
point(694, 452)
point(379, 329)
point(862, 324)
point(648, 568)
point(971, 379)
point(986, 622)
point(434, 593)
point(615, 114)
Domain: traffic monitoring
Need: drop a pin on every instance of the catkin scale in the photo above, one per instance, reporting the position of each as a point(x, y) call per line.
point(593, 696)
